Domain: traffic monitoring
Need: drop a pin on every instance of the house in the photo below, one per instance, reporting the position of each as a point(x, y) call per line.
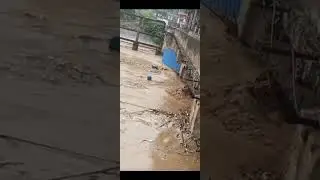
point(182, 19)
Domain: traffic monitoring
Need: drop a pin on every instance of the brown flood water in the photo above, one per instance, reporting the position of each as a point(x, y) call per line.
point(37, 36)
point(145, 143)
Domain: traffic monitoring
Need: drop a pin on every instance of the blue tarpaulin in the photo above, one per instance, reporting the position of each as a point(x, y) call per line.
point(169, 58)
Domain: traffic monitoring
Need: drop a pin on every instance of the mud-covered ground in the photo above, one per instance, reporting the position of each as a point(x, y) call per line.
point(150, 114)
point(55, 74)
point(241, 140)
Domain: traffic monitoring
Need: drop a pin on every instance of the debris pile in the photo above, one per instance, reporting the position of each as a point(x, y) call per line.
point(52, 69)
point(180, 93)
point(259, 174)
point(246, 109)
point(68, 70)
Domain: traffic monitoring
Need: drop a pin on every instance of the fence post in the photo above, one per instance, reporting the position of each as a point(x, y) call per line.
point(159, 49)
point(194, 113)
point(136, 43)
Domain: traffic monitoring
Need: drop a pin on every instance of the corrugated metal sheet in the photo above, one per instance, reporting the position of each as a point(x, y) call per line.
point(228, 9)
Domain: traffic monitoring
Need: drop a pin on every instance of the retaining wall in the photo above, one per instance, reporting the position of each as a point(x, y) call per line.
point(186, 49)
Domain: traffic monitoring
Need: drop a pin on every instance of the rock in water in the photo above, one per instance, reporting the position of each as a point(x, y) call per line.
point(115, 43)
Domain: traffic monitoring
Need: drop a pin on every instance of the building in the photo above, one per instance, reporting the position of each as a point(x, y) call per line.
point(182, 19)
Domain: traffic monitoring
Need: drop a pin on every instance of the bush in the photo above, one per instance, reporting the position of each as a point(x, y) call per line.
point(156, 29)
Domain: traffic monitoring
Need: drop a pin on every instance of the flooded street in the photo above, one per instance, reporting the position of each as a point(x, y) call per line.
point(55, 70)
point(148, 139)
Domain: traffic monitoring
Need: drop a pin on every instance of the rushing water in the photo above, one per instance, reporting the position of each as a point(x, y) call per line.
point(145, 143)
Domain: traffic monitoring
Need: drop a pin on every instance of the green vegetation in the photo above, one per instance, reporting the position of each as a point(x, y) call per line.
point(156, 29)
point(127, 14)
point(147, 14)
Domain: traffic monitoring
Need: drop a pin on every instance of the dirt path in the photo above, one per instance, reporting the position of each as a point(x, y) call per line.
point(55, 70)
point(239, 141)
point(146, 143)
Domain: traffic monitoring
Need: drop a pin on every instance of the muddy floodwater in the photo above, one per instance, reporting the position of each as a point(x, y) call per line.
point(56, 72)
point(146, 142)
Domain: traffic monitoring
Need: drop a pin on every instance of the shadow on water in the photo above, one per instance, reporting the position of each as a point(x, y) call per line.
point(168, 154)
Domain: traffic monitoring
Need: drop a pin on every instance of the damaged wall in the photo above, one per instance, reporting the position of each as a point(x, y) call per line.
point(251, 23)
point(187, 48)
point(190, 46)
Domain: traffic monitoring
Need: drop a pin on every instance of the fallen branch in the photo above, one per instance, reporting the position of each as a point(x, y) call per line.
point(167, 122)
point(149, 109)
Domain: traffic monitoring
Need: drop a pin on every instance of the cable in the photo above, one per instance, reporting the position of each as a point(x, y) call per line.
point(8, 137)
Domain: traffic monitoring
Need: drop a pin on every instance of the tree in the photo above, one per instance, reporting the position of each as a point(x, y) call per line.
point(127, 14)
point(156, 29)
point(148, 13)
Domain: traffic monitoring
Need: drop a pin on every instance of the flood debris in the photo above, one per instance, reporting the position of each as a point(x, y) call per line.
point(180, 93)
point(155, 67)
point(61, 69)
point(35, 16)
point(9, 163)
point(86, 37)
point(114, 44)
point(258, 174)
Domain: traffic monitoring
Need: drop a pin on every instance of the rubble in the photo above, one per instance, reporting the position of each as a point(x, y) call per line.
point(180, 93)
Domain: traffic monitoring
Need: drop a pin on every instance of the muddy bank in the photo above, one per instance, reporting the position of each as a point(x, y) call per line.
point(149, 137)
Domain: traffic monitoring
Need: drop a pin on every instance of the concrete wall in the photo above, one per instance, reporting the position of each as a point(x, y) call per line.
point(301, 155)
point(187, 48)
point(170, 42)
point(251, 23)
point(190, 47)
point(242, 15)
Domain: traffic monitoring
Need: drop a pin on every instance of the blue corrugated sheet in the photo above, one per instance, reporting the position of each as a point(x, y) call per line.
point(169, 58)
point(228, 9)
